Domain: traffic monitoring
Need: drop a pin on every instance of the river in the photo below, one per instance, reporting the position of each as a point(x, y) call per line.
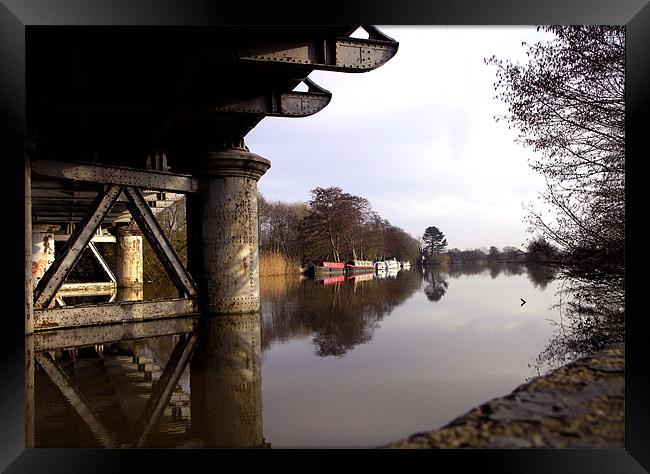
point(353, 363)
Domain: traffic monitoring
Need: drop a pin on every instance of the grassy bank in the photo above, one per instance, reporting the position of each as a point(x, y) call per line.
point(276, 263)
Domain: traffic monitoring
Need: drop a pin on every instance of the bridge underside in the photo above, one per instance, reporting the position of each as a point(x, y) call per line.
point(121, 121)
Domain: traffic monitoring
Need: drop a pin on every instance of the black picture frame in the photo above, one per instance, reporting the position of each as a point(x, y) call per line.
point(17, 16)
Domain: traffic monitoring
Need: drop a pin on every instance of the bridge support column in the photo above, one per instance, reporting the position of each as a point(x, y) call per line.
point(222, 231)
point(42, 250)
point(129, 257)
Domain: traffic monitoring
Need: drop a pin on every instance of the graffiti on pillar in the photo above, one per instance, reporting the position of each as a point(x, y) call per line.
point(43, 256)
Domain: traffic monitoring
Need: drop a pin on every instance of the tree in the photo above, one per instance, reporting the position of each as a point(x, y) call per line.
point(494, 254)
point(539, 250)
point(279, 227)
point(568, 104)
point(336, 222)
point(434, 241)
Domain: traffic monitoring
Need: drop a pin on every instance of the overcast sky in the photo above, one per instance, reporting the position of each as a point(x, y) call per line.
point(416, 137)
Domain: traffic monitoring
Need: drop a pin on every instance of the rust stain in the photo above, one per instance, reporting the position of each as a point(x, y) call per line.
point(46, 324)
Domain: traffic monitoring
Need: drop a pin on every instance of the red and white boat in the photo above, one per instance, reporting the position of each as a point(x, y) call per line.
point(321, 267)
point(364, 266)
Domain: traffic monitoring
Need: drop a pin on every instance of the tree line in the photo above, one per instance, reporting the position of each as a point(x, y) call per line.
point(434, 243)
point(332, 226)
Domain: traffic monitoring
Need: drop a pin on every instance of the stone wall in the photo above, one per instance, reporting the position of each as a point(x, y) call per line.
point(579, 405)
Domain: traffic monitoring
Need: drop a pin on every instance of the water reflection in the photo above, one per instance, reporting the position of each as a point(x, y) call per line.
point(143, 392)
point(197, 382)
point(226, 381)
point(436, 284)
point(339, 317)
point(112, 386)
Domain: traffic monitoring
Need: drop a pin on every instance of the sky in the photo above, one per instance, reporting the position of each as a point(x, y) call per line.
point(416, 137)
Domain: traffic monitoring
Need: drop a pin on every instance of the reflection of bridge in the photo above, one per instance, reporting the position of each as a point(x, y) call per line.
point(127, 393)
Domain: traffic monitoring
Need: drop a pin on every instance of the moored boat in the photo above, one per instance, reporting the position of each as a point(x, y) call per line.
point(321, 267)
point(380, 266)
point(392, 264)
point(359, 266)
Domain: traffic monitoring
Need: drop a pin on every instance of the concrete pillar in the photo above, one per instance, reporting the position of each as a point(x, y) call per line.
point(129, 257)
point(42, 250)
point(222, 230)
point(226, 382)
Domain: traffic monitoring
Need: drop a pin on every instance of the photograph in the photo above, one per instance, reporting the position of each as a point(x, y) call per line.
point(326, 237)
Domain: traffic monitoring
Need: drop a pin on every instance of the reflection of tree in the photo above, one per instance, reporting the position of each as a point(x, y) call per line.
point(541, 275)
point(466, 268)
point(495, 269)
point(436, 285)
point(340, 316)
point(591, 316)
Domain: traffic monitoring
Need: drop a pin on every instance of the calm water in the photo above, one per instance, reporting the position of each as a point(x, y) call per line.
point(356, 363)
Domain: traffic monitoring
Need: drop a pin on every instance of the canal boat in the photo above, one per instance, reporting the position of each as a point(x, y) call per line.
point(321, 267)
point(392, 264)
point(359, 266)
point(380, 266)
point(406, 265)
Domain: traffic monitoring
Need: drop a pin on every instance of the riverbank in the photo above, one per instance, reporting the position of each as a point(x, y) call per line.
point(277, 263)
point(579, 405)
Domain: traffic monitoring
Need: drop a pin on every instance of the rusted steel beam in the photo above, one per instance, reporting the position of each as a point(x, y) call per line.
point(110, 313)
point(91, 335)
point(71, 253)
point(156, 237)
point(163, 390)
point(336, 54)
point(85, 197)
point(87, 289)
point(72, 394)
point(101, 261)
point(123, 176)
point(63, 219)
point(95, 239)
point(283, 104)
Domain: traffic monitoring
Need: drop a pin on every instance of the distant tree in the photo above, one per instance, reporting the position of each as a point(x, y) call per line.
point(173, 221)
point(279, 226)
point(434, 241)
point(494, 254)
point(539, 250)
